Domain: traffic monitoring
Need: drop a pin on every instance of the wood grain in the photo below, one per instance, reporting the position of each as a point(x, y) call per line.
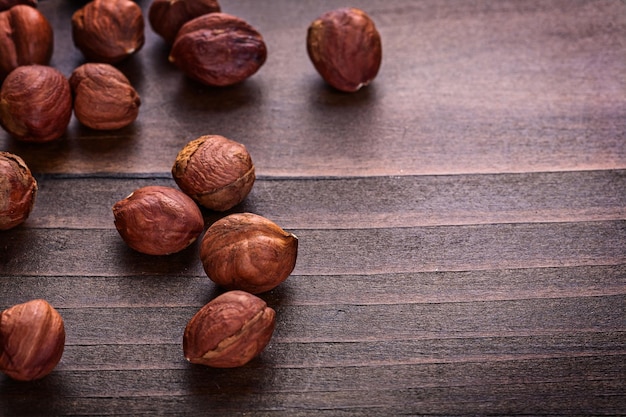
point(322, 252)
point(346, 203)
point(462, 223)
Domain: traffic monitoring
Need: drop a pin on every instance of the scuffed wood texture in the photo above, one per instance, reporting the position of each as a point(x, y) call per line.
point(462, 222)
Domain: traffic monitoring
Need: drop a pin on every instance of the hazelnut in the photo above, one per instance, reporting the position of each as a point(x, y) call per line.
point(158, 220)
point(108, 30)
point(104, 99)
point(215, 171)
point(35, 103)
point(18, 189)
point(7, 4)
point(218, 49)
point(229, 331)
point(26, 38)
point(32, 339)
point(166, 17)
point(345, 48)
point(248, 252)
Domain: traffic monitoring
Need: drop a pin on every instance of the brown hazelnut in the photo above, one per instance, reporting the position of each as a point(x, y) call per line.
point(345, 48)
point(158, 220)
point(18, 189)
point(215, 171)
point(32, 339)
point(104, 99)
point(35, 103)
point(218, 49)
point(26, 38)
point(7, 4)
point(166, 17)
point(108, 30)
point(229, 331)
point(248, 252)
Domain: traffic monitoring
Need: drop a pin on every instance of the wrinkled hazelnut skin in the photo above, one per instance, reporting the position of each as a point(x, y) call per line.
point(229, 331)
point(218, 49)
point(345, 48)
point(18, 189)
point(166, 17)
point(248, 252)
point(32, 339)
point(158, 220)
point(108, 30)
point(215, 171)
point(104, 99)
point(7, 4)
point(26, 38)
point(35, 103)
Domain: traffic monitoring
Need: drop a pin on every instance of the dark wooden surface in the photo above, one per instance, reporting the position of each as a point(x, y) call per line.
point(462, 222)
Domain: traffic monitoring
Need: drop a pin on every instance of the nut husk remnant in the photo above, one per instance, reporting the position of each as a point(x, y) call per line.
point(229, 331)
point(158, 220)
point(104, 99)
point(248, 252)
point(26, 38)
point(108, 30)
point(35, 103)
point(215, 171)
point(218, 49)
point(166, 17)
point(18, 189)
point(345, 48)
point(32, 339)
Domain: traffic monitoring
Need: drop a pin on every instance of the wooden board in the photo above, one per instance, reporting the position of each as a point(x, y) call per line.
point(461, 222)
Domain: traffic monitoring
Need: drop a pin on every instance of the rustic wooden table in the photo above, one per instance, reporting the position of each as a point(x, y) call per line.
point(461, 222)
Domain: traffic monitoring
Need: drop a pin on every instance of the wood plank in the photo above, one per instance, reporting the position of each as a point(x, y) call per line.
point(354, 323)
point(472, 89)
point(592, 384)
point(94, 252)
point(85, 202)
point(281, 353)
point(328, 290)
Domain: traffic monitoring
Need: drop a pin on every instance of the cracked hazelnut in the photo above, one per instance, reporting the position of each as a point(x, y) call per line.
point(218, 49)
point(104, 99)
point(215, 171)
point(248, 252)
point(166, 17)
point(108, 30)
point(229, 331)
point(158, 220)
point(345, 48)
point(26, 38)
point(35, 103)
point(18, 189)
point(32, 339)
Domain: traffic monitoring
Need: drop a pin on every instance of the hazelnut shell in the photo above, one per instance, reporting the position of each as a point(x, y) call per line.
point(345, 48)
point(32, 339)
point(248, 252)
point(108, 30)
point(218, 49)
point(7, 4)
point(26, 38)
point(166, 17)
point(229, 331)
point(158, 220)
point(104, 99)
point(18, 189)
point(35, 103)
point(215, 171)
